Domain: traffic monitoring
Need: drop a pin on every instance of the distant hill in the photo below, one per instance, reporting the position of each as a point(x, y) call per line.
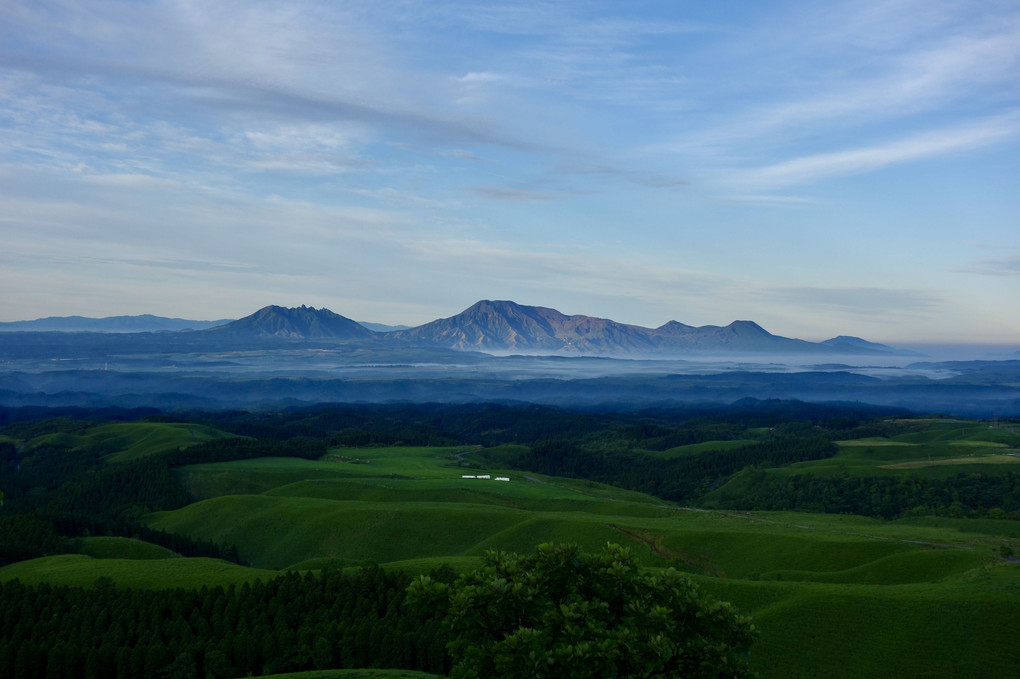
point(846, 344)
point(505, 326)
point(142, 323)
point(295, 323)
point(382, 327)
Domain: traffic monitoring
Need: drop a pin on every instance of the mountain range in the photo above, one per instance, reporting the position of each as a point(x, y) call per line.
point(504, 326)
point(500, 327)
point(141, 323)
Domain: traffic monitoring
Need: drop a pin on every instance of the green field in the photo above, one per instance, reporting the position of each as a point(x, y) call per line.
point(78, 570)
point(122, 548)
point(126, 441)
point(941, 451)
point(832, 595)
point(352, 674)
point(697, 448)
point(826, 579)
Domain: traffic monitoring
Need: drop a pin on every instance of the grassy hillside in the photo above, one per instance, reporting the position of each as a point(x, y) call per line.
point(109, 547)
point(353, 674)
point(127, 441)
point(698, 448)
point(960, 628)
point(862, 592)
point(950, 468)
point(78, 570)
point(832, 595)
point(944, 448)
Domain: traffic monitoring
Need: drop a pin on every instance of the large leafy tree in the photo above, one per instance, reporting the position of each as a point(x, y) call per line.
point(565, 614)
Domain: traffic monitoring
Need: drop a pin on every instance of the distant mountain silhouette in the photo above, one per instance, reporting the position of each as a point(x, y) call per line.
point(382, 327)
point(505, 326)
point(295, 323)
point(488, 326)
point(508, 326)
point(142, 323)
point(847, 344)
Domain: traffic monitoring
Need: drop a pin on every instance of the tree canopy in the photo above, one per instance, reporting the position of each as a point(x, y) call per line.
point(560, 612)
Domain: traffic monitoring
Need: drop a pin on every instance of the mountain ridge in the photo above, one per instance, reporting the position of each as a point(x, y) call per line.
point(500, 327)
point(506, 326)
point(112, 324)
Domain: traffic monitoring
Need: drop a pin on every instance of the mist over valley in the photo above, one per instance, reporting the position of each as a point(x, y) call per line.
point(493, 351)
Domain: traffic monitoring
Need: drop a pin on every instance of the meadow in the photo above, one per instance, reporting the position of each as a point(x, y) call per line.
point(832, 595)
point(942, 449)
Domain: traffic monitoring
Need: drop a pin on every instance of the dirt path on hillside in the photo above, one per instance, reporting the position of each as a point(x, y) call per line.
point(672, 554)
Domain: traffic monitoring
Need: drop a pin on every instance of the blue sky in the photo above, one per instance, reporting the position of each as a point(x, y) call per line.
point(821, 168)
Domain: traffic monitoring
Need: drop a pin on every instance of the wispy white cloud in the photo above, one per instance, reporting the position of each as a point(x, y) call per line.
point(509, 194)
point(390, 194)
point(903, 83)
point(474, 78)
point(771, 199)
point(132, 181)
point(998, 266)
point(577, 270)
point(821, 166)
point(870, 302)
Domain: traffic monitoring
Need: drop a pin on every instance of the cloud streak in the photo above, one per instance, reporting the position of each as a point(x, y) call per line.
point(878, 303)
point(813, 168)
point(1002, 266)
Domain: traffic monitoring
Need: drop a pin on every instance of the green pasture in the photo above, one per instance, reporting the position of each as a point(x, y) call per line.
point(79, 570)
point(389, 505)
point(941, 451)
point(301, 522)
point(261, 474)
point(135, 440)
point(898, 568)
point(122, 548)
point(963, 628)
point(275, 532)
point(519, 493)
point(353, 674)
point(378, 473)
point(128, 441)
point(698, 448)
point(939, 431)
point(1003, 528)
point(831, 595)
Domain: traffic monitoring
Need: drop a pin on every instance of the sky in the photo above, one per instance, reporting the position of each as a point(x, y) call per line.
point(820, 168)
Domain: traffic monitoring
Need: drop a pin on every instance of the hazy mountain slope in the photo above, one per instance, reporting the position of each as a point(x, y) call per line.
point(492, 326)
point(142, 323)
point(507, 326)
point(848, 344)
point(503, 326)
point(296, 323)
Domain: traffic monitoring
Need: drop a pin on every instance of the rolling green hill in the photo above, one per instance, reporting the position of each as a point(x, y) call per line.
point(127, 441)
point(833, 595)
point(353, 674)
point(78, 570)
point(861, 590)
point(111, 547)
